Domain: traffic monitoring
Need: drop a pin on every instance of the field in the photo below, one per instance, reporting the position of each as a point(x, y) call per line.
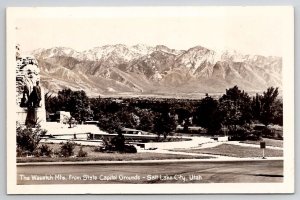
point(236, 151)
point(269, 142)
point(98, 156)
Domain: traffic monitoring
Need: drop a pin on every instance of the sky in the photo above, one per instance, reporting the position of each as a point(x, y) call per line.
point(247, 30)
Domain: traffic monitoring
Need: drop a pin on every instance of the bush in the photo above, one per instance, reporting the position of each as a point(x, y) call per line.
point(246, 132)
point(28, 139)
point(105, 146)
point(19, 152)
point(45, 150)
point(23, 153)
point(99, 149)
point(239, 133)
point(266, 132)
point(56, 153)
point(279, 137)
point(111, 149)
point(130, 149)
point(82, 153)
point(67, 149)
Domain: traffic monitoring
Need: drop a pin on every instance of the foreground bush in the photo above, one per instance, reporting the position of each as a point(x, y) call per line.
point(130, 149)
point(112, 149)
point(82, 153)
point(242, 133)
point(67, 149)
point(45, 150)
point(28, 139)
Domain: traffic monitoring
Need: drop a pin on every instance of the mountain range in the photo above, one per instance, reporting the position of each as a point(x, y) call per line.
point(155, 70)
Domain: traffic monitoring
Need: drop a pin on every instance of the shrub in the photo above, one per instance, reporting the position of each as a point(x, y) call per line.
point(28, 139)
point(240, 133)
point(279, 137)
point(98, 149)
point(244, 132)
point(56, 153)
point(82, 153)
point(105, 148)
point(19, 152)
point(106, 145)
point(45, 150)
point(22, 153)
point(266, 132)
point(67, 149)
point(130, 149)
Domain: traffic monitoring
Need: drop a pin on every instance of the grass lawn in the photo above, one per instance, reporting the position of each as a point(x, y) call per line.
point(269, 142)
point(236, 151)
point(98, 156)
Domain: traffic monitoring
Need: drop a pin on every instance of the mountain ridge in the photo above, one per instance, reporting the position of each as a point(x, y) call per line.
point(142, 69)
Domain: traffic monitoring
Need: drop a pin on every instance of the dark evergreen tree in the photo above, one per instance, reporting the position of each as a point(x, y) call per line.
point(208, 115)
point(164, 124)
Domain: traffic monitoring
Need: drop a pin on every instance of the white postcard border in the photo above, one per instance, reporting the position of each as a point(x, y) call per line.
point(288, 96)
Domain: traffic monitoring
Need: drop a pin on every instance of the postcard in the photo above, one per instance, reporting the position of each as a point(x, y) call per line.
point(150, 100)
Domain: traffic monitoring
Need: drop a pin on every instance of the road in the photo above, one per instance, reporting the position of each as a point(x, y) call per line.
point(262, 171)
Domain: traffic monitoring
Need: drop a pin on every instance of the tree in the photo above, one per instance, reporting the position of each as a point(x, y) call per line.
point(267, 108)
point(256, 107)
point(183, 114)
point(164, 124)
point(271, 107)
point(278, 112)
point(207, 115)
point(231, 114)
point(51, 103)
point(80, 109)
point(75, 102)
point(128, 118)
point(119, 142)
point(235, 106)
point(110, 123)
point(113, 122)
point(146, 120)
point(235, 109)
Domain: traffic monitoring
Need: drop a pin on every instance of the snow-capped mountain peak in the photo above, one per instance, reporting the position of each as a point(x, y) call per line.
point(146, 68)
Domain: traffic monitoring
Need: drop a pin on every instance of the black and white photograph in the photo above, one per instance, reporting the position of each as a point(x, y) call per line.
point(135, 100)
